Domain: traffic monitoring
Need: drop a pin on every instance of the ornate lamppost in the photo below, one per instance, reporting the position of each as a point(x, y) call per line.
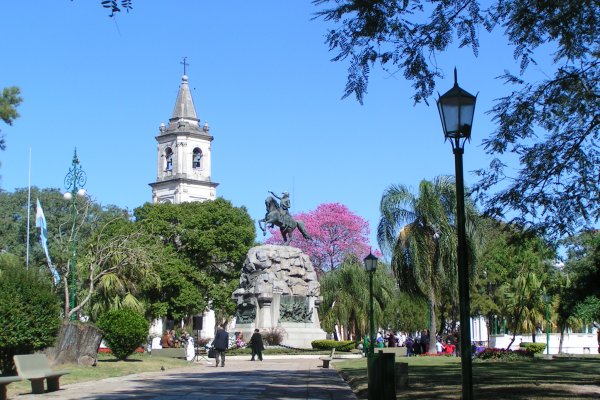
point(547, 299)
point(457, 108)
point(74, 182)
point(370, 262)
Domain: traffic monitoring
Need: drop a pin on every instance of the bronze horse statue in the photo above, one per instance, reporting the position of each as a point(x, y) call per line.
point(286, 223)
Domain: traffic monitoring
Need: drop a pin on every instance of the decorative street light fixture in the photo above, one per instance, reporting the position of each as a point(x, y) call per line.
point(456, 108)
point(371, 265)
point(74, 182)
point(547, 299)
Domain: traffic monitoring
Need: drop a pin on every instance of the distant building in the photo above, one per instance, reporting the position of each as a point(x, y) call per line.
point(183, 155)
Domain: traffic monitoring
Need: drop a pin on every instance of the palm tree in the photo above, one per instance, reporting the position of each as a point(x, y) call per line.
point(420, 234)
point(345, 294)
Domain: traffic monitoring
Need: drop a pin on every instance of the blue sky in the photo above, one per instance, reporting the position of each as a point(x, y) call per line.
point(260, 75)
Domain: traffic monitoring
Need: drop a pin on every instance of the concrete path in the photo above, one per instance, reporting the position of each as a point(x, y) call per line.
point(240, 379)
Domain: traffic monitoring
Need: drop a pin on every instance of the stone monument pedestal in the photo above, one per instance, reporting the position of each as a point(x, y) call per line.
point(279, 290)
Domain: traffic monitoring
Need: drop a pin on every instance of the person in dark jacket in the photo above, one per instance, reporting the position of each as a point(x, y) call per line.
point(220, 344)
point(256, 344)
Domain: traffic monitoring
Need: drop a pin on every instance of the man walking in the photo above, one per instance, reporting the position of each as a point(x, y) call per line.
point(256, 344)
point(220, 344)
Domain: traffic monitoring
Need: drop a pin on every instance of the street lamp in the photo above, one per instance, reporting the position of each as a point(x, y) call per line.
point(370, 266)
point(456, 108)
point(74, 182)
point(547, 299)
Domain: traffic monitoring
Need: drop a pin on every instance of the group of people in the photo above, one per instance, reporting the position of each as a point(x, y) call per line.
point(415, 344)
point(170, 339)
point(221, 344)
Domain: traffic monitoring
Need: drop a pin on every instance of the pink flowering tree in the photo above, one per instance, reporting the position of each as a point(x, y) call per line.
point(336, 233)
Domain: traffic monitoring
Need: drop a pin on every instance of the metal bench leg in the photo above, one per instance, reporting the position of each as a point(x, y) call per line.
point(53, 384)
point(37, 386)
point(3, 392)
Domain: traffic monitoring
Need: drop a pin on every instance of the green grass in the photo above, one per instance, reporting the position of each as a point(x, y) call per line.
point(440, 378)
point(107, 367)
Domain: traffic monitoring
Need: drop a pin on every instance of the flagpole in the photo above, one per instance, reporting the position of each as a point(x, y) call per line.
point(28, 207)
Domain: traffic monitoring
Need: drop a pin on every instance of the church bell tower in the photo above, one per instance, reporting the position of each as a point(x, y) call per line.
point(183, 155)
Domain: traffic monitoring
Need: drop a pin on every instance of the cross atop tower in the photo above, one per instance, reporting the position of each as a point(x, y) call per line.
point(185, 64)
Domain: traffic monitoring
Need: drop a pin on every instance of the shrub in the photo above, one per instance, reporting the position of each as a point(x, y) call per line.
point(342, 345)
point(29, 311)
point(504, 354)
point(124, 331)
point(274, 336)
point(536, 348)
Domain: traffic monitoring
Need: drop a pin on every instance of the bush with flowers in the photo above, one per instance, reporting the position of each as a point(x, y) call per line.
point(504, 354)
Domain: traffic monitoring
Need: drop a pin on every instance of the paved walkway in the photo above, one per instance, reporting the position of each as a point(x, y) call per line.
point(240, 379)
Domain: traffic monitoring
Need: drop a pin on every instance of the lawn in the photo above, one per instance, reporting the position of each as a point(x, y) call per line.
point(538, 378)
point(106, 367)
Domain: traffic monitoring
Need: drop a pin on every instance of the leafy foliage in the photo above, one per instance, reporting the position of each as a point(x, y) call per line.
point(406, 312)
point(343, 345)
point(203, 248)
point(419, 231)
point(29, 311)
point(9, 101)
point(345, 294)
point(124, 330)
point(336, 233)
point(551, 125)
point(535, 348)
point(504, 355)
point(580, 294)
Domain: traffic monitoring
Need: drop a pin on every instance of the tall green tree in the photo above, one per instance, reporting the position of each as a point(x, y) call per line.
point(508, 253)
point(420, 234)
point(205, 246)
point(580, 294)
point(9, 101)
point(346, 299)
point(552, 125)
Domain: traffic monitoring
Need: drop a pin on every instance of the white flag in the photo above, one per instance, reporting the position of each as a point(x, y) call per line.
point(40, 222)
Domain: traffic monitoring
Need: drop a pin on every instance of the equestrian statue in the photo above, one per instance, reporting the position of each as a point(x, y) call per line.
point(278, 215)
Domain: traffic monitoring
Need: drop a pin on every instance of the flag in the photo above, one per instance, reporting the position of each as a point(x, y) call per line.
point(40, 222)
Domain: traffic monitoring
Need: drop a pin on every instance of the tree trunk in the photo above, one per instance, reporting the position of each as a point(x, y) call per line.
point(560, 342)
point(432, 323)
point(77, 343)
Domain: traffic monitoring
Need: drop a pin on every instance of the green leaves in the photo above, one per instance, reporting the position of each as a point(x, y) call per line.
point(124, 331)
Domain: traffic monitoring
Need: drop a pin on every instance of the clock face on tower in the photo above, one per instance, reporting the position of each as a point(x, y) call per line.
point(166, 201)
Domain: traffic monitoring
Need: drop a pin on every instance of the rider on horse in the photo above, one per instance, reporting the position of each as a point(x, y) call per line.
point(283, 206)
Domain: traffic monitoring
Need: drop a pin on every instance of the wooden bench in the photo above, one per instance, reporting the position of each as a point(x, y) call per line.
point(4, 381)
point(36, 368)
point(172, 352)
point(327, 359)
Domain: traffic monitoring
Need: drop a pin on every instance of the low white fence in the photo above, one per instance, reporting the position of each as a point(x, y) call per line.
point(573, 343)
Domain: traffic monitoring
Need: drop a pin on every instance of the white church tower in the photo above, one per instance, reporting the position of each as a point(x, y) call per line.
point(183, 170)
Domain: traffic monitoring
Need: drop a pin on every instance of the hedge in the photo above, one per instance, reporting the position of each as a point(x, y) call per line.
point(343, 345)
point(536, 348)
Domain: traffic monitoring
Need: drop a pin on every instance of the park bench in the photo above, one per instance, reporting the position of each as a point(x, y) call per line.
point(172, 352)
point(4, 381)
point(36, 368)
point(327, 359)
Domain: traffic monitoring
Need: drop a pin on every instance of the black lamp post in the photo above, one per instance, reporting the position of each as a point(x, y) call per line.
point(370, 266)
point(456, 108)
point(74, 182)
